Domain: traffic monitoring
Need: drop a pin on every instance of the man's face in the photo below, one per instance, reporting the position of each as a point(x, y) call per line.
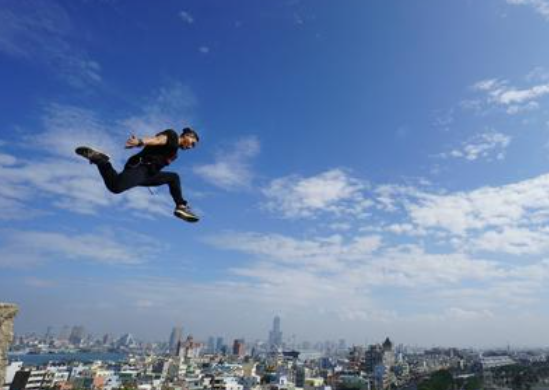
point(187, 142)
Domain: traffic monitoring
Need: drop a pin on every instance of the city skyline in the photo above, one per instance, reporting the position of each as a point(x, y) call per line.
point(364, 168)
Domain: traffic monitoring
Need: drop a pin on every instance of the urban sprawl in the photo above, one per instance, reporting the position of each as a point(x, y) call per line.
point(182, 363)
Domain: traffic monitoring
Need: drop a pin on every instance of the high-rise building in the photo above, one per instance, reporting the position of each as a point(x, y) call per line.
point(107, 339)
point(239, 348)
point(373, 357)
point(388, 353)
point(64, 334)
point(189, 348)
point(219, 344)
point(127, 341)
point(275, 335)
point(78, 334)
point(49, 335)
point(211, 345)
point(175, 338)
point(356, 358)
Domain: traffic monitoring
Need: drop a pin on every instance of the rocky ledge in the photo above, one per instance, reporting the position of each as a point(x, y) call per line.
point(7, 314)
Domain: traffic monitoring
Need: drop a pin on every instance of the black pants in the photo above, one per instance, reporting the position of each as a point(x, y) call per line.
point(140, 176)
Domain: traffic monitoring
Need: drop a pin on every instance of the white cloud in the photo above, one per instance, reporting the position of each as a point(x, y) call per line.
point(40, 31)
point(231, 169)
point(66, 127)
point(30, 248)
point(540, 6)
point(204, 49)
point(514, 100)
point(487, 145)
point(186, 17)
point(334, 192)
point(7, 159)
point(319, 252)
point(517, 241)
point(170, 107)
point(523, 203)
point(355, 272)
point(35, 282)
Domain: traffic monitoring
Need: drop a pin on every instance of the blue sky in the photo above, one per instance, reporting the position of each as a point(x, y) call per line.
point(366, 168)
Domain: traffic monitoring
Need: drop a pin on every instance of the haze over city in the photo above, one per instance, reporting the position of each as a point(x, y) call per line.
point(365, 168)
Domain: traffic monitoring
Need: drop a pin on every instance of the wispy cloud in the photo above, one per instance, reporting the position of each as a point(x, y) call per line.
point(31, 248)
point(540, 6)
point(40, 31)
point(65, 127)
point(488, 145)
point(333, 192)
point(513, 100)
point(355, 272)
point(518, 204)
point(186, 17)
point(232, 169)
point(169, 107)
point(314, 252)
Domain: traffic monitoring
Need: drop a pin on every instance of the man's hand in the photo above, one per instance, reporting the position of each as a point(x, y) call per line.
point(133, 142)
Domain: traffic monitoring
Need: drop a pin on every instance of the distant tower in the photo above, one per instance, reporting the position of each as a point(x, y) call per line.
point(219, 344)
point(211, 344)
point(49, 334)
point(175, 338)
point(275, 335)
point(388, 353)
point(373, 357)
point(64, 334)
point(78, 334)
point(188, 349)
point(127, 341)
point(239, 348)
point(107, 340)
point(387, 345)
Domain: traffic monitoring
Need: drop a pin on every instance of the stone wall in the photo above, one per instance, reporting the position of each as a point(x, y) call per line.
point(7, 314)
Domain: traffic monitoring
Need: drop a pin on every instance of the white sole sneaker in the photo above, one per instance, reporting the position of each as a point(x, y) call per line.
point(189, 217)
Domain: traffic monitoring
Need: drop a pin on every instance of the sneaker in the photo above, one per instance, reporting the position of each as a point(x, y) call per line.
point(184, 212)
point(93, 156)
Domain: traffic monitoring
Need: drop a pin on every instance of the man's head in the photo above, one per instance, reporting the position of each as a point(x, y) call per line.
point(188, 138)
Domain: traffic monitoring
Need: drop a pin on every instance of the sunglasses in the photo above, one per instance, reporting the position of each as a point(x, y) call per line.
point(192, 144)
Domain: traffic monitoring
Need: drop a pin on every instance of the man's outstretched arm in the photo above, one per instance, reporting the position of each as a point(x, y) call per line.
point(158, 140)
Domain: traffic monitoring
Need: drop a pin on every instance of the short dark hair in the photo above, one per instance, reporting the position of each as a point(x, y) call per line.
point(191, 132)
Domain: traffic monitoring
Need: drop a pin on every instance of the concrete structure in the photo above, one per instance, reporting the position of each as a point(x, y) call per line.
point(176, 337)
point(239, 348)
point(275, 335)
point(489, 362)
point(31, 379)
point(13, 367)
point(7, 314)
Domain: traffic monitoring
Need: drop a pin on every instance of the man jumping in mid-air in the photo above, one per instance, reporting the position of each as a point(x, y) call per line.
point(145, 168)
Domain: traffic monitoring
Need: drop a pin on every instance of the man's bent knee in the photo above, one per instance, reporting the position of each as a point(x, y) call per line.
point(172, 176)
point(116, 189)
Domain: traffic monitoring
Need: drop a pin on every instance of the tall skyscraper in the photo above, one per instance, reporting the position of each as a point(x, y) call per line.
point(211, 345)
point(275, 335)
point(78, 334)
point(175, 338)
point(219, 344)
point(239, 348)
point(49, 335)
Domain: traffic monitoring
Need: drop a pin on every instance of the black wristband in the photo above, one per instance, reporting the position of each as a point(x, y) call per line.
point(140, 142)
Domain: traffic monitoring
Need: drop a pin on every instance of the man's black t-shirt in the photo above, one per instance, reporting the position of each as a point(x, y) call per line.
point(157, 157)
